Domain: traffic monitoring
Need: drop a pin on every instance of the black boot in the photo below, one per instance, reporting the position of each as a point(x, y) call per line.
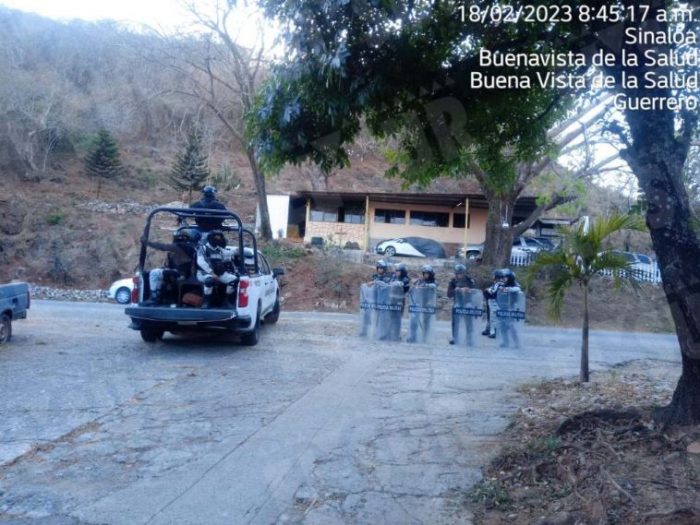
point(206, 303)
point(153, 300)
point(229, 302)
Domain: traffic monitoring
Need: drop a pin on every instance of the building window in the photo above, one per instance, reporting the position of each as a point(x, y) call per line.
point(389, 216)
point(352, 214)
point(458, 220)
point(321, 213)
point(430, 218)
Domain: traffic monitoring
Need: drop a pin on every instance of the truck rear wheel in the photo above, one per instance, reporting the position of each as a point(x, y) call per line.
point(251, 338)
point(151, 335)
point(5, 328)
point(274, 315)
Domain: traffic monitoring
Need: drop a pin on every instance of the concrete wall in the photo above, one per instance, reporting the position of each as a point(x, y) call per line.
point(476, 232)
point(451, 237)
point(336, 232)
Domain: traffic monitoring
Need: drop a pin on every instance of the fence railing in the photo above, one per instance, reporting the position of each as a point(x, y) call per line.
point(650, 275)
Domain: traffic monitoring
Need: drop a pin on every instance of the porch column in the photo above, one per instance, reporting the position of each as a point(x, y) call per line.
point(308, 218)
point(366, 246)
point(466, 223)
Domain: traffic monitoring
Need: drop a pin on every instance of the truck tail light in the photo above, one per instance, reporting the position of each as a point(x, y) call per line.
point(243, 293)
point(135, 289)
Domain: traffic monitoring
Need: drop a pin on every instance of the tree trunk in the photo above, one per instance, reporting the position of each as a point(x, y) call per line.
point(499, 240)
point(585, 376)
point(657, 159)
point(259, 177)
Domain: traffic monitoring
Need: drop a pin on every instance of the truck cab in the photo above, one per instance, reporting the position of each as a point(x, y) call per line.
point(14, 303)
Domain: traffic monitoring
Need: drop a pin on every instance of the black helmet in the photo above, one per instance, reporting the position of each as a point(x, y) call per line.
point(460, 268)
point(401, 268)
point(426, 268)
point(381, 263)
point(498, 274)
point(187, 235)
point(216, 239)
point(209, 191)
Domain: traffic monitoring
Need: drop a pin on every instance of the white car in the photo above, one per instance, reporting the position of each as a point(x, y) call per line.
point(120, 290)
point(411, 247)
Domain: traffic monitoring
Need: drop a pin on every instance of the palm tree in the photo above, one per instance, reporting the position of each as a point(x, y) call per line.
point(580, 257)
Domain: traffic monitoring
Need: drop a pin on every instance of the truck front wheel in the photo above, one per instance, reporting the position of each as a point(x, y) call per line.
point(5, 328)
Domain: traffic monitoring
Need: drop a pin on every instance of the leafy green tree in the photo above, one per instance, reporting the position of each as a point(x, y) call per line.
point(190, 169)
point(102, 160)
point(580, 258)
point(405, 69)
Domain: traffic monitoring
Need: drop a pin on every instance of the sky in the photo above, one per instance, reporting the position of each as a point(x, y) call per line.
point(162, 14)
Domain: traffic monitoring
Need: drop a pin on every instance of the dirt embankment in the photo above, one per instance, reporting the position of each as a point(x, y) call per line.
point(576, 455)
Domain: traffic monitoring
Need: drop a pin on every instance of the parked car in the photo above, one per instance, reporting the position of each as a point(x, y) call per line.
point(548, 243)
point(522, 246)
point(640, 263)
point(411, 247)
point(14, 303)
point(120, 290)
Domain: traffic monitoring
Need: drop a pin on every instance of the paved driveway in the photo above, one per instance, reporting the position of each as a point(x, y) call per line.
point(313, 425)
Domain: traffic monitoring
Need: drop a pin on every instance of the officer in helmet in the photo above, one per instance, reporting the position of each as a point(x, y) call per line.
point(427, 276)
point(490, 299)
point(506, 326)
point(214, 267)
point(382, 273)
point(461, 281)
point(402, 276)
point(208, 202)
point(181, 254)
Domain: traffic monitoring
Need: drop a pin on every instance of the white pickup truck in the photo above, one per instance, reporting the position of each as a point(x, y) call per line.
point(257, 296)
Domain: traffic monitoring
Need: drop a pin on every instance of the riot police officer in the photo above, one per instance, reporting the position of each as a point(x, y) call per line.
point(382, 274)
point(209, 202)
point(507, 328)
point(461, 281)
point(490, 300)
point(427, 276)
point(181, 254)
point(402, 277)
point(214, 266)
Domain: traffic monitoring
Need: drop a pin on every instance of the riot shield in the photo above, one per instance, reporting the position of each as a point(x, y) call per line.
point(466, 309)
point(396, 301)
point(367, 301)
point(510, 317)
point(422, 303)
point(383, 313)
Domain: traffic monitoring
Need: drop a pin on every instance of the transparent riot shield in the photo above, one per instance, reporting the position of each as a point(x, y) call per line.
point(396, 304)
point(466, 309)
point(422, 303)
point(383, 313)
point(510, 317)
point(367, 302)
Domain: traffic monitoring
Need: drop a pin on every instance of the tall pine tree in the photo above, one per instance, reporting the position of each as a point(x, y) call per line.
point(102, 160)
point(191, 168)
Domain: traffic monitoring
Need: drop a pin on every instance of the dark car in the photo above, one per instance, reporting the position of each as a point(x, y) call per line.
point(412, 247)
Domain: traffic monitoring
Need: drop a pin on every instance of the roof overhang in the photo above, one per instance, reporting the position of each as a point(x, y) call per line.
point(448, 200)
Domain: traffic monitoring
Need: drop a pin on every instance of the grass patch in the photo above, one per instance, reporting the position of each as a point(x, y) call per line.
point(277, 252)
point(490, 495)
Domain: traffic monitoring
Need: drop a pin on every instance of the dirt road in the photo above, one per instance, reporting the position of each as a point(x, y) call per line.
point(313, 425)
